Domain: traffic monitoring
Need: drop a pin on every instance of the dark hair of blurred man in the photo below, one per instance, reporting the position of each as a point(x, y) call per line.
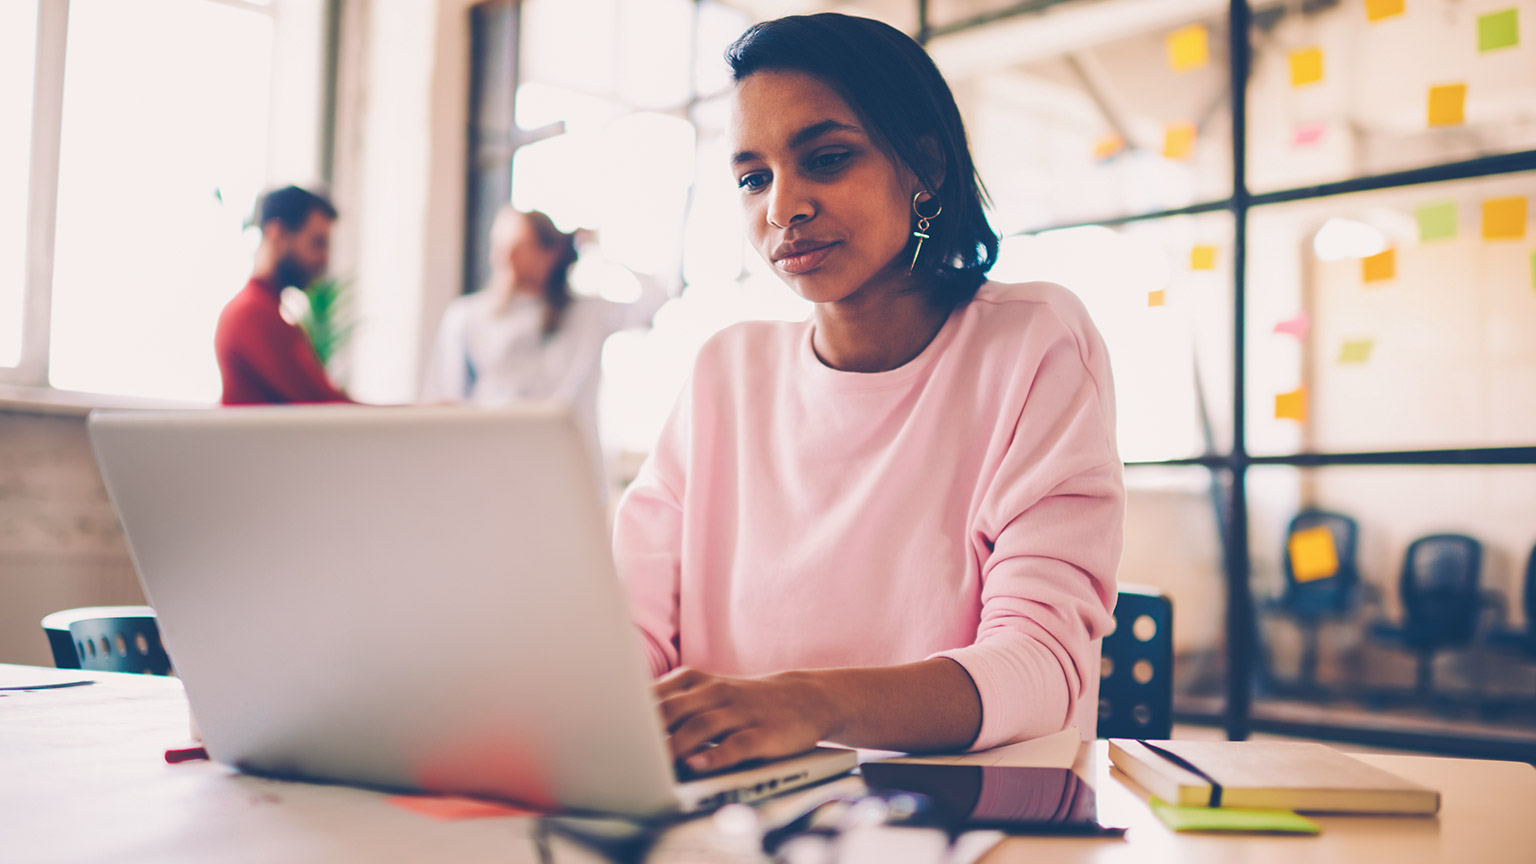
point(263, 359)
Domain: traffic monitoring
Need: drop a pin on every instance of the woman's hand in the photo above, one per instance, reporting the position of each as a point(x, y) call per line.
point(745, 718)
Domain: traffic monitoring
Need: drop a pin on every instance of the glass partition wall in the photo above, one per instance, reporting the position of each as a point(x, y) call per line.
point(1304, 230)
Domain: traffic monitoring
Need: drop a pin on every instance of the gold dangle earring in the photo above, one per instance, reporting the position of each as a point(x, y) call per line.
point(922, 228)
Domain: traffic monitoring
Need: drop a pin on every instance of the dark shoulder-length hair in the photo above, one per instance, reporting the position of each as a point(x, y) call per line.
point(893, 85)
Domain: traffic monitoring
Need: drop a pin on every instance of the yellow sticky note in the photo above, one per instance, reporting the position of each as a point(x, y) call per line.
point(1189, 48)
point(1179, 140)
point(1292, 405)
point(1157, 298)
point(1504, 218)
point(1356, 351)
point(1448, 105)
point(1306, 67)
point(1379, 268)
point(1202, 258)
point(1375, 10)
point(1313, 554)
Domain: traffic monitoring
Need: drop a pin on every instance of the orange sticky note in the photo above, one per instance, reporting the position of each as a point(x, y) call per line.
point(1189, 48)
point(1504, 218)
point(1379, 268)
point(1157, 298)
point(1306, 67)
point(1108, 146)
point(1448, 105)
point(1313, 554)
point(454, 808)
point(1375, 10)
point(1202, 258)
point(1292, 405)
point(1179, 140)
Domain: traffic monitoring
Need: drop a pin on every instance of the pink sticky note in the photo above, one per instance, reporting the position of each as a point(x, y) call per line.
point(455, 808)
point(1309, 133)
point(1297, 326)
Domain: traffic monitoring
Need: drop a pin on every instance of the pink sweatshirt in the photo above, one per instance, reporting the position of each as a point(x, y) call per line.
point(968, 505)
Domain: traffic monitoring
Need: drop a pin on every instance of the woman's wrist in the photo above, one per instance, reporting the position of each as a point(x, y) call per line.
point(817, 698)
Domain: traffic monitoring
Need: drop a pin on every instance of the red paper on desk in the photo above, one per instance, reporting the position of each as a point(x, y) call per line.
point(456, 808)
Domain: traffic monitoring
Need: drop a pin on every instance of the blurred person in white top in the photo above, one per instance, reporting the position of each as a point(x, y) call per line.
point(525, 335)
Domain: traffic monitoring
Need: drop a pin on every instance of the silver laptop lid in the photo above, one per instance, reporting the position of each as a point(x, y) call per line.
point(409, 598)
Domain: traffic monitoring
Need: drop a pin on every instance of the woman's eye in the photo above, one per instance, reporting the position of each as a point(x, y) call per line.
point(824, 161)
point(753, 181)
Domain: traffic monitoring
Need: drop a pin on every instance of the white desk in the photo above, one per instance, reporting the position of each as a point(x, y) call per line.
point(83, 778)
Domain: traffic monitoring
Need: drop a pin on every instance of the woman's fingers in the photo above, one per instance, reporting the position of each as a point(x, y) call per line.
point(742, 746)
point(678, 680)
point(676, 709)
point(699, 731)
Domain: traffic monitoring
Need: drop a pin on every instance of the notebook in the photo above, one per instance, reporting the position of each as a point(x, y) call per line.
point(1267, 775)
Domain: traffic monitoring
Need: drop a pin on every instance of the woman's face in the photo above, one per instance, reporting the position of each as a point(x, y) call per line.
point(825, 206)
point(515, 246)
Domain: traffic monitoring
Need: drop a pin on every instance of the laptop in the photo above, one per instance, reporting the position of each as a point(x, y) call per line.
point(418, 599)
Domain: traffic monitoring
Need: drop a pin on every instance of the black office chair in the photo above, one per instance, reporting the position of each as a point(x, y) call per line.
point(107, 639)
point(1136, 672)
point(1521, 641)
point(1313, 599)
point(1442, 603)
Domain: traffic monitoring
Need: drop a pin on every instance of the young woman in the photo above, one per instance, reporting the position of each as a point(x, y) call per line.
point(895, 525)
point(523, 336)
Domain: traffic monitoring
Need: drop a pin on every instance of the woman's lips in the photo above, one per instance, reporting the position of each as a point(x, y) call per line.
point(805, 262)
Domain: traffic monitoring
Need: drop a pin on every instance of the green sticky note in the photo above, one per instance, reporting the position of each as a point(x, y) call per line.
point(1437, 221)
point(1231, 819)
point(1498, 30)
point(1356, 350)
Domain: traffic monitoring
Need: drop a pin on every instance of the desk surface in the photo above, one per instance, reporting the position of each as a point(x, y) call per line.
point(82, 778)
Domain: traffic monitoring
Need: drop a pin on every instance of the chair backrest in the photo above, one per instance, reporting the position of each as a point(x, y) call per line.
point(1136, 672)
point(108, 639)
point(1530, 592)
point(1307, 593)
point(1441, 600)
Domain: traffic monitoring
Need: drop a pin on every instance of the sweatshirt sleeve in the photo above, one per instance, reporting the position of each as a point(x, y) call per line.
point(447, 367)
point(1052, 522)
point(648, 540)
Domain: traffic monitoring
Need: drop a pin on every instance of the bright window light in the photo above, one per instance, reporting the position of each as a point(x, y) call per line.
point(163, 152)
point(18, 46)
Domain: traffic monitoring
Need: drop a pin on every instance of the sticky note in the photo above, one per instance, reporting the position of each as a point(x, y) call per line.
point(1108, 147)
point(1308, 134)
point(1292, 405)
point(1179, 140)
point(1231, 819)
point(1189, 48)
point(453, 808)
point(1380, 267)
point(1356, 351)
point(1448, 105)
point(1436, 221)
point(1498, 30)
point(1298, 326)
point(1376, 10)
point(1157, 298)
point(1306, 67)
point(1313, 555)
point(1504, 218)
point(1202, 258)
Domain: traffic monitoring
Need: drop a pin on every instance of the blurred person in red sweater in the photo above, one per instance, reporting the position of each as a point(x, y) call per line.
point(263, 358)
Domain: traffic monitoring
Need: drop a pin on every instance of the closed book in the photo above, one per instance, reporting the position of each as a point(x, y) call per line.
point(1267, 775)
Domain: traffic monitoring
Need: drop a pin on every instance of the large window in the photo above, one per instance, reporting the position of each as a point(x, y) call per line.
point(142, 183)
point(18, 41)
